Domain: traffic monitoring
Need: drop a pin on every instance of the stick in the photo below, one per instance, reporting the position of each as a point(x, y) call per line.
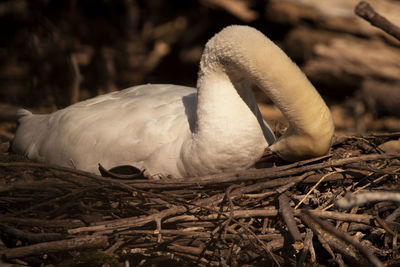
point(364, 10)
point(237, 8)
point(42, 222)
point(327, 240)
point(308, 246)
point(33, 237)
point(353, 200)
point(347, 238)
point(312, 189)
point(56, 246)
point(129, 222)
point(287, 214)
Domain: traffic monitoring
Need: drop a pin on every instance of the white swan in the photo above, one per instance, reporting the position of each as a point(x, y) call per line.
point(181, 131)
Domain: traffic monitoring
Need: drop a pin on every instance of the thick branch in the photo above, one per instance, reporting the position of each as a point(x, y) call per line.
point(56, 246)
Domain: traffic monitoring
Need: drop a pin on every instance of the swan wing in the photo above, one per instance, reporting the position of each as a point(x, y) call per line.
point(124, 127)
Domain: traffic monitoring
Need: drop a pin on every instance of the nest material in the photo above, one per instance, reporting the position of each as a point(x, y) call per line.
point(277, 216)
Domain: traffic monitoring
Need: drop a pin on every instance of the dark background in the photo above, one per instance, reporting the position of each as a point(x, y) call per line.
point(116, 44)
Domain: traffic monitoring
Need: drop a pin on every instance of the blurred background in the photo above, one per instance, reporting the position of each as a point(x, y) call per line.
point(55, 52)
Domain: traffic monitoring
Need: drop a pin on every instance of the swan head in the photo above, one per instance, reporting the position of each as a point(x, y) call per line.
point(300, 146)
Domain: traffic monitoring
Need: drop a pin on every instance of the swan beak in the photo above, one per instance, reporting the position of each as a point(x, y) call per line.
point(270, 156)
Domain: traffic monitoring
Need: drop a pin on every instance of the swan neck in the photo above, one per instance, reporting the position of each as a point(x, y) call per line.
point(245, 51)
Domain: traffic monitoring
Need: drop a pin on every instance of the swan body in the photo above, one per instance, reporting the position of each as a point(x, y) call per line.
point(182, 131)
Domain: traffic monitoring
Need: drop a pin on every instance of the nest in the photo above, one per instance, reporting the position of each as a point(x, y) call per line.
point(284, 215)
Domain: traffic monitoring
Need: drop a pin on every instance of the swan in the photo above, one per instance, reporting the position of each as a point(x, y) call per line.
point(171, 130)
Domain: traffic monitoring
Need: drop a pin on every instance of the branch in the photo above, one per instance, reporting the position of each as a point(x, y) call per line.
point(287, 213)
point(56, 246)
point(347, 238)
point(33, 237)
point(237, 8)
point(351, 200)
point(364, 10)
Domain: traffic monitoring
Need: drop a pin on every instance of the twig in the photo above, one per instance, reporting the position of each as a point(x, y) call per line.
point(377, 180)
point(386, 227)
point(262, 244)
point(308, 247)
point(343, 236)
point(393, 216)
point(136, 221)
point(231, 206)
point(197, 234)
point(235, 7)
point(373, 170)
point(312, 189)
point(186, 249)
point(345, 225)
point(40, 222)
point(327, 241)
point(129, 222)
point(287, 214)
point(339, 260)
point(114, 247)
point(355, 200)
point(364, 10)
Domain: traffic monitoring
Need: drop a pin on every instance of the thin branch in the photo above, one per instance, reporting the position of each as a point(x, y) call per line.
point(364, 10)
point(355, 200)
point(237, 8)
point(313, 188)
point(287, 214)
point(347, 238)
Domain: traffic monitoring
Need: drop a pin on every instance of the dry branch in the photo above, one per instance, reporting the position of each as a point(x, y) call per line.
point(238, 8)
point(56, 246)
point(45, 223)
point(332, 230)
point(353, 200)
point(287, 213)
point(364, 10)
point(329, 242)
point(32, 237)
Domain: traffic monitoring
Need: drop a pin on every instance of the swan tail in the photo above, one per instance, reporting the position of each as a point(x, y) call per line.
point(25, 138)
point(23, 113)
